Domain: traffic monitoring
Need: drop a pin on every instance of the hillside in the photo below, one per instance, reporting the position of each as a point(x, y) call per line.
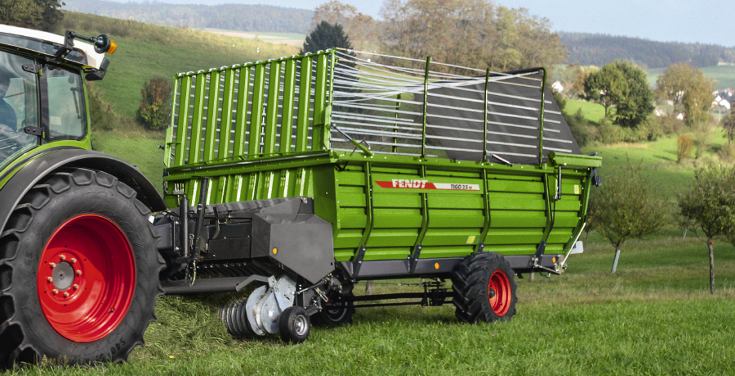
point(242, 17)
point(146, 51)
point(599, 49)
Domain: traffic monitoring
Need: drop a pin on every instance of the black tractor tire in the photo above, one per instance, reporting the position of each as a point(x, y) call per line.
point(336, 312)
point(294, 325)
point(78, 272)
point(484, 288)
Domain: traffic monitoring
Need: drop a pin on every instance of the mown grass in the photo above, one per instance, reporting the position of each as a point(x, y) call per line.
point(655, 316)
point(593, 112)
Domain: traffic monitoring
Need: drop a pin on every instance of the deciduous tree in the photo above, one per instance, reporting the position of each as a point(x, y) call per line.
point(708, 208)
point(688, 89)
point(471, 33)
point(33, 14)
point(626, 207)
point(624, 85)
point(361, 28)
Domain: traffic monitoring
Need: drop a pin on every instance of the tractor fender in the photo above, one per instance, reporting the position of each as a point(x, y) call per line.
point(50, 160)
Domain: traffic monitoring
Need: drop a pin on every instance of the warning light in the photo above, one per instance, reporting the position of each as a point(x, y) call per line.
point(275, 251)
point(553, 260)
point(436, 266)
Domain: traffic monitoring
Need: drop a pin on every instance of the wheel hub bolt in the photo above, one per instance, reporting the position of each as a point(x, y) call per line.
point(62, 257)
point(76, 287)
point(73, 261)
point(54, 291)
point(79, 272)
point(52, 264)
point(66, 294)
point(491, 292)
point(49, 279)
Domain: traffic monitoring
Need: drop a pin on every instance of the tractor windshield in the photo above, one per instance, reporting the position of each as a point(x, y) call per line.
point(18, 106)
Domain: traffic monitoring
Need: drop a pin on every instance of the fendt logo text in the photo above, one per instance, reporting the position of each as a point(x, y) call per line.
point(425, 184)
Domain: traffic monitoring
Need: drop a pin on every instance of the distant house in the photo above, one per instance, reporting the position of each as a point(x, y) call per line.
point(659, 112)
point(680, 116)
point(557, 86)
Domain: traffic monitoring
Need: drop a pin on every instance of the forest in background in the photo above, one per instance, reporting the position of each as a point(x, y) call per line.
point(600, 49)
point(241, 17)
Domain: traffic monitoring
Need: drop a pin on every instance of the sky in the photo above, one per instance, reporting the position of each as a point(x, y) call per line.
point(691, 21)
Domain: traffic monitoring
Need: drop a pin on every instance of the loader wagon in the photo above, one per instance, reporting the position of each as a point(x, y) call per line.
point(286, 182)
point(308, 174)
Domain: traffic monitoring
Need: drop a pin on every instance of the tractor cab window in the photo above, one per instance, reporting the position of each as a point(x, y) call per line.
point(66, 112)
point(18, 106)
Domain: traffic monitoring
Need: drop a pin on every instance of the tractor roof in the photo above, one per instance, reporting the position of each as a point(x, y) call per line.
point(45, 43)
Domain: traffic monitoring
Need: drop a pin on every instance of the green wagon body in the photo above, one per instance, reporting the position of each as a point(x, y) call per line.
point(392, 214)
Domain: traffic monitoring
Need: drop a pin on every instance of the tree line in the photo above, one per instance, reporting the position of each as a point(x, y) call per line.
point(600, 49)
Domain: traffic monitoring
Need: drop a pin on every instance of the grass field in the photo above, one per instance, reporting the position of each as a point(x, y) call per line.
point(724, 74)
point(655, 316)
point(145, 51)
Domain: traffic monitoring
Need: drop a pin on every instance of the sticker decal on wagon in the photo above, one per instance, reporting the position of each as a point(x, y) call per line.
point(425, 184)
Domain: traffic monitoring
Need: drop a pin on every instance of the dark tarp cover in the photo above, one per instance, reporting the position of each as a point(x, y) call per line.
point(456, 125)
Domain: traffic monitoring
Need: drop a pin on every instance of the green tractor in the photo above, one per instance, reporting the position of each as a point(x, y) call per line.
point(287, 181)
point(78, 267)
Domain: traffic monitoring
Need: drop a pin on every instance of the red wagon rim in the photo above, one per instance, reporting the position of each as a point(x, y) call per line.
point(499, 292)
point(86, 278)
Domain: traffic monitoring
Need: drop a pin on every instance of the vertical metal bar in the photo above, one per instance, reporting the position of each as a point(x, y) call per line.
point(327, 130)
point(302, 122)
point(370, 220)
point(289, 86)
point(398, 106)
point(426, 102)
point(225, 127)
point(196, 123)
point(271, 114)
point(169, 131)
point(212, 107)
point(241, 121)
point(484, 116)
point(486, 203)
point(256, 113)
point(320, 89)
point(541, 120)
point(183, 126)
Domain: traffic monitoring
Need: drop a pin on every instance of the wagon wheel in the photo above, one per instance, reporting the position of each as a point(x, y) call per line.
point(484, 288)
point(336, 311)
point(78, 271)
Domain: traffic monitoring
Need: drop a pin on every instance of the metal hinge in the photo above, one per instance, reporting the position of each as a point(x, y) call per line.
point(36, 131)
point(32, 68)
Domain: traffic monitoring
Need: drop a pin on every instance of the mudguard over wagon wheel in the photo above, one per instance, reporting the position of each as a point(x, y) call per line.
point(78, 271)
point(484, 288)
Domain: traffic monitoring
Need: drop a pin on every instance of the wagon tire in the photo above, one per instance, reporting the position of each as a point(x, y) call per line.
point(294, 325)
point(484, 288)
point(78, 271)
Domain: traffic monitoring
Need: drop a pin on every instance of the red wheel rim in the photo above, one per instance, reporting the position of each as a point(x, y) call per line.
point(499, 293)
point(86, 278)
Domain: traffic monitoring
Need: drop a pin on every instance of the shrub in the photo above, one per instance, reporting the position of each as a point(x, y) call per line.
point(684, 146)
point(702, 138)
point(101, 114)
point(727, 152)
point(155, 104)
point(670, 125)
point(583, 132)
point(610, 133)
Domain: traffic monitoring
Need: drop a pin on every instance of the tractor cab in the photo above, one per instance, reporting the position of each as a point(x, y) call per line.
point(42, 96)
